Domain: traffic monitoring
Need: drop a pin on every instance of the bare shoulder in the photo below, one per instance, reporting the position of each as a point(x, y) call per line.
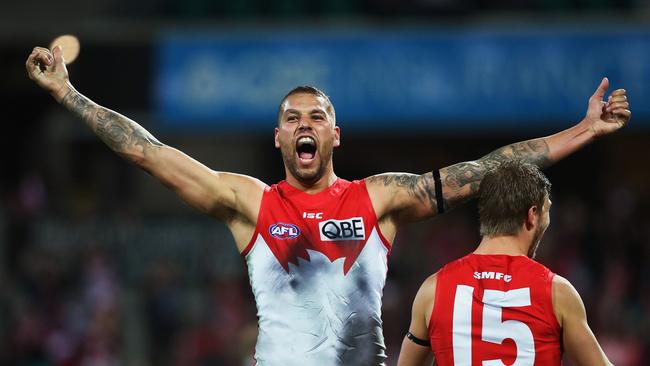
point(382, 189)
point(392, 179)
point(429, 285)
point(393, 182)
point(248, 191)
point(563, 289)
point(425, 297)
point(428, 288)
point(566, 299)
point(242, 182)
point(406, 196)
point(247, 195)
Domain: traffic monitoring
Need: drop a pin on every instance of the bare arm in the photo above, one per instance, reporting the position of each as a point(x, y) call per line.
point(215, 193)
point(409, 197)
point(412, 196)
point(211, 192)
point(577, 338)
point(413, 354)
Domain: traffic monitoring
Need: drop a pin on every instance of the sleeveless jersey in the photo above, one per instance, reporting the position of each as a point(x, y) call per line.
point(494, 310)
point(317, 265)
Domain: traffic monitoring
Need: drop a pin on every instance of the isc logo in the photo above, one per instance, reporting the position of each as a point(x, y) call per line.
point(284, 231)
point(348, 229)
point(312, 215)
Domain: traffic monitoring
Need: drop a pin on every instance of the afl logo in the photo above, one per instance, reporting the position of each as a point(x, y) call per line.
point(284, 231)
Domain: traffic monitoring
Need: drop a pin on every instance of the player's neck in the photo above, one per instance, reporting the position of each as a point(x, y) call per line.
point(516, 244)
point(317, 186)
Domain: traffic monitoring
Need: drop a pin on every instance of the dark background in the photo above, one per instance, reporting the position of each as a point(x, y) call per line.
point(100, 265)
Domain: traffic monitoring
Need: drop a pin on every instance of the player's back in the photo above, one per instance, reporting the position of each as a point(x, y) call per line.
point(494, 310)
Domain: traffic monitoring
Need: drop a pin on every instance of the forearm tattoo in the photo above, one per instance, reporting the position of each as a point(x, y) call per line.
point(121, 134)
point(461, 181)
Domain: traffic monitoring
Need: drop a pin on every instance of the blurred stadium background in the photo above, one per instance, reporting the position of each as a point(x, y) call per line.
point(101, 266)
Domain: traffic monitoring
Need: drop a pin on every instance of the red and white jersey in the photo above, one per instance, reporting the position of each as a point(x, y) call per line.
point(494, 310)
point(317, 264)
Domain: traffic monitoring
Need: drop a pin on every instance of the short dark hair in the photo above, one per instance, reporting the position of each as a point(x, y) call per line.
point(506, 194)
point(307, 89)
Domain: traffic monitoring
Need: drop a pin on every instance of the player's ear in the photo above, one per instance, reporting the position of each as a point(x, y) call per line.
point(277, 140)
point(531, 217)
point(337, 136)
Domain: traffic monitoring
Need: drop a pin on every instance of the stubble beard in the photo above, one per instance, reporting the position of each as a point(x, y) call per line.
point(305, 176)
point(537, 239)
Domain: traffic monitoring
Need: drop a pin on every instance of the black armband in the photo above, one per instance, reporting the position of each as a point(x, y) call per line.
point(439, 201)
point(418, 341)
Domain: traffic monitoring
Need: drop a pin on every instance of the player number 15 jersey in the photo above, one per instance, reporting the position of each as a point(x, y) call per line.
point(493, 310)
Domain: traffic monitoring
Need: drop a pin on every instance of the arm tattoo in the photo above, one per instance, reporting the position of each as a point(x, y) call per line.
point(420, 187)
point(461, 181)
point(121, 134)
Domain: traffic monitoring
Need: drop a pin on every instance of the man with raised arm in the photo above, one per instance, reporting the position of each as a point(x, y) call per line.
point(316, 245)
point(497, 305)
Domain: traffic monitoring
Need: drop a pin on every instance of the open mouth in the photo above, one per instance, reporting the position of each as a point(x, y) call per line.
point(306, 148)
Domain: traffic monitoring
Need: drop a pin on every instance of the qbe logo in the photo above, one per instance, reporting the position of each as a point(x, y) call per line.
point(284, 231)
point(347, 229)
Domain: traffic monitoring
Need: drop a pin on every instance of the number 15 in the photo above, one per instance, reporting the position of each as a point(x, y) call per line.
point(494, 329)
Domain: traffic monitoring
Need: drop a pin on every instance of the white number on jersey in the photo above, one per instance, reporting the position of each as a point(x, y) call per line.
point(494, 329)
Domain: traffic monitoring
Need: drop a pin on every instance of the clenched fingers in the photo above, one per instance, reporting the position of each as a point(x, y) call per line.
point(43, 55)
point(616, 103)
point(38, 60)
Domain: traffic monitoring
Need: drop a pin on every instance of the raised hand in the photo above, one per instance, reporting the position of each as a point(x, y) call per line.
point(607, 117)
point(48, 70)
